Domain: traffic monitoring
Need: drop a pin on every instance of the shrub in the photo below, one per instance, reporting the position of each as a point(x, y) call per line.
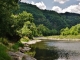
point(24, 39)
point(4, 41)
point(17, 45)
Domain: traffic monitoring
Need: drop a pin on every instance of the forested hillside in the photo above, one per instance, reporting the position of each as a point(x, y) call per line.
point(20, 22)
point(50, 19)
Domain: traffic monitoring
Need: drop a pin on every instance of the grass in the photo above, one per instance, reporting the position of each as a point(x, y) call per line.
point(4, 41)
point(66, 37)
point(31, 53)
point(3, 53)
point(17, 45)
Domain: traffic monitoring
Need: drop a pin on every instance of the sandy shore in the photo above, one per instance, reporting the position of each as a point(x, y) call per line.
point(32, 42)
point(57, 39)
point(39, 39)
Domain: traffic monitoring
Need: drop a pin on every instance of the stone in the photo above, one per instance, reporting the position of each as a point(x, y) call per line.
point(26, 57)
point(16, 55)
point(26, 45)
point(24, 49)
point(20, 56)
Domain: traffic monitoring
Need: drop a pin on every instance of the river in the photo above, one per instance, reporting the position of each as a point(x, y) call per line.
point(57, 50)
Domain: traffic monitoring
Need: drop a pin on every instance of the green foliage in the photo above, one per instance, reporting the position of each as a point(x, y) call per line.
point(6, 8)
point(34, 29)
point(24, 39)
point(50, 19)
point(65, 31)
point(19, 24)
point(25, 31)
point(3, 53)
point(54, 32)
point(4, 41)
point(74, 30)
point(66, 37)
point(17, 45)
point(22, 23)
point(42, 30)
point(31, 53)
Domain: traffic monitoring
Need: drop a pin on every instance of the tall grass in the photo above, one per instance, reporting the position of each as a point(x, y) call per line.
point(3, 53)
point(17, 45)
point(65, 37)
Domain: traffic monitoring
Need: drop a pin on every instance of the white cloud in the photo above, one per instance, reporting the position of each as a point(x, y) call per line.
point(57, 9)
point(25, 1)
point(61, 1)
point(40, 5)
point(32, 3)
point(72, 8)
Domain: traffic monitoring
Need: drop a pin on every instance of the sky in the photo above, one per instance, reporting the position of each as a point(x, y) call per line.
point(60, 6)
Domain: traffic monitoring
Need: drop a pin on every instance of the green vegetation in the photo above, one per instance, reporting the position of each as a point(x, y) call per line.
point(3, 54)
point(19, 22)
point(17, 45)
point(6, 8)
point(24, 39)
point(50, 19)
point(25, 22)
point(74, 30)
point(65, 37)
point(4, 41)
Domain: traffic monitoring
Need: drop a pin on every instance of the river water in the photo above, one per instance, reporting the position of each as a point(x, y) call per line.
point(57, 50)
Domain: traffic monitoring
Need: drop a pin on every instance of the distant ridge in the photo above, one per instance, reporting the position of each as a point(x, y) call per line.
point(49, 18)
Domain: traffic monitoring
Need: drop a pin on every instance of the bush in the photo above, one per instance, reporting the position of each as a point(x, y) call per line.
point(24, 39)
point(3, 53)
point(17, 45)
point(4, 41)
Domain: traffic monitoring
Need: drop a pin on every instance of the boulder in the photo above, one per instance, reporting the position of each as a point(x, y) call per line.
point(24, 49)
point(16, 55)
point(20, 56)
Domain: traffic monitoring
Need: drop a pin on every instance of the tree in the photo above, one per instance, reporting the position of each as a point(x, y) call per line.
point(43, 30)
point(34, 30)
point(25, 31)
point(6, 8)
point(65, 31)
point(22, 24)
point(23, 17)
point(74, 30)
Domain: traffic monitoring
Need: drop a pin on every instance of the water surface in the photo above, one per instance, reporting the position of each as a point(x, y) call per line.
point(57, 50)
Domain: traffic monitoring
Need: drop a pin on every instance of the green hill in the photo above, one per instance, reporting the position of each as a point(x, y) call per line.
point(48, 18)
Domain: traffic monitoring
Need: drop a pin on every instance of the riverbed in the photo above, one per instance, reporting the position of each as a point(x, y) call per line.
point(57, 50)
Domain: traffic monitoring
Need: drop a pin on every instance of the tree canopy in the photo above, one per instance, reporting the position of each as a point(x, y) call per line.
point(6, 8)
point(74, 30)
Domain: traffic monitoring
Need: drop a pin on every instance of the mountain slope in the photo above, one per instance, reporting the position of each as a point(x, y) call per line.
point(50, 19)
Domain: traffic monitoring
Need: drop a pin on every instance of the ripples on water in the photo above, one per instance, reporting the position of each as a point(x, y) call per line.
point(57, 50)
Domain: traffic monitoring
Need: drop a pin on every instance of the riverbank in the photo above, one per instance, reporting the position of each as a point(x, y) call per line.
point(32, 41)
point(60, 38)
point(23, 52)
point(20, 54)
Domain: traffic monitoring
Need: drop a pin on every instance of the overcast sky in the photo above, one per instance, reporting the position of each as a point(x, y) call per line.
point(60, 6)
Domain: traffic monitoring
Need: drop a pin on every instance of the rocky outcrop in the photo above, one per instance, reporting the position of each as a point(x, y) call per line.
point(24, 49)
point(20, 56)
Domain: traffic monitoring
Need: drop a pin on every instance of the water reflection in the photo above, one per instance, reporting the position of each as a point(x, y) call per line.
point(45, 54)
point(52, 50)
